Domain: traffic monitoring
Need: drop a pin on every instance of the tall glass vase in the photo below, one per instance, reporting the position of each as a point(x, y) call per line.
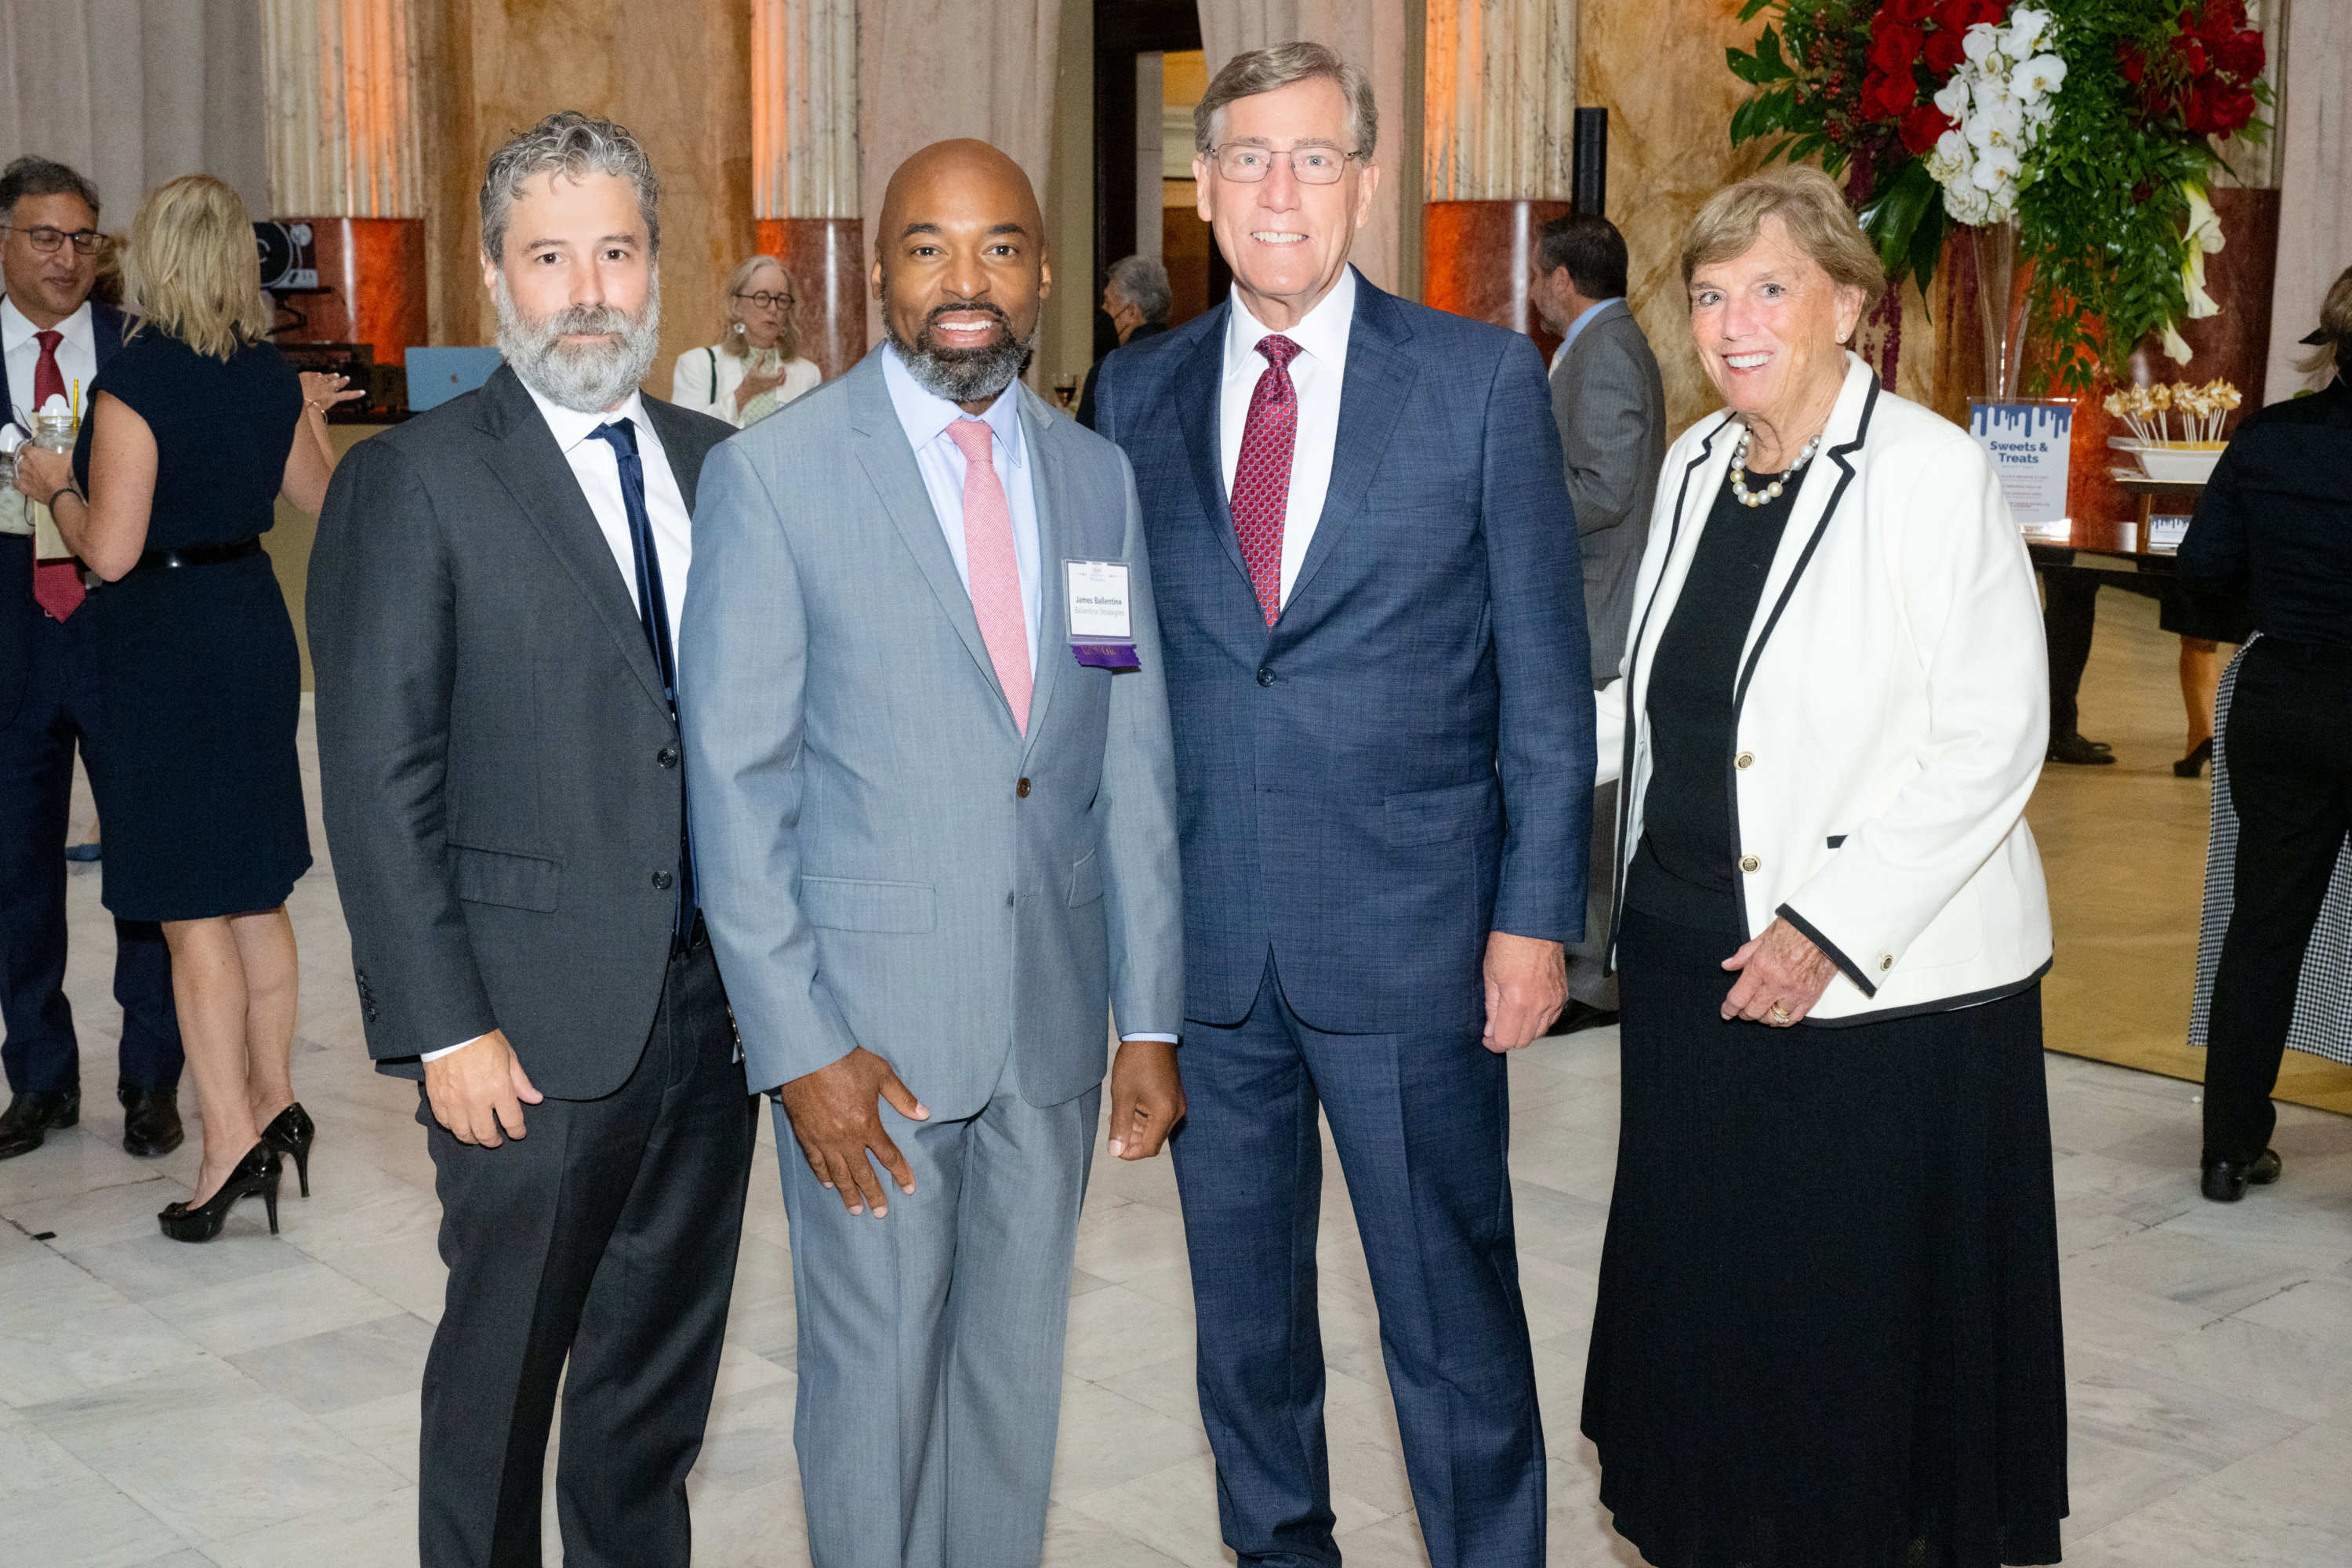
point(2000, 308)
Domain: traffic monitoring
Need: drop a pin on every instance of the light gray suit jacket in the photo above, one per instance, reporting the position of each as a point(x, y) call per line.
point(885, 860)
point(1611, 407)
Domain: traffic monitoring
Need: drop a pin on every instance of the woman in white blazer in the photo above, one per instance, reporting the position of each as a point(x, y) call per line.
point(1828, 1324)
point(755, 367)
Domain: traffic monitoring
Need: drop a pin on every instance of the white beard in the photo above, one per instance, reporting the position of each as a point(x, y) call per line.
point(587, 378)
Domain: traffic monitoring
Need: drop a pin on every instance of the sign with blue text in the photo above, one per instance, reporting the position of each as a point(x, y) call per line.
point(2027, 442)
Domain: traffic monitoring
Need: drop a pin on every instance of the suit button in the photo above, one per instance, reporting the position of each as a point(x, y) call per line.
point(1264, 676)
point(1885, 962)
point(1744, 760)
point(662, 879)
point(666, 756)
point(1750, 863)
point(1022, 789)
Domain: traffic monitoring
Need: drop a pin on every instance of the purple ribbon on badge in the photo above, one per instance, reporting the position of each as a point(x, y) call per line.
point(1107, 655)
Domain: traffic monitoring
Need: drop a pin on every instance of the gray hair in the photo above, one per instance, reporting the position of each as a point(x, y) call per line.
point(1144, 283)
point(35, 176)
point(1253, 71)
point(574, 145)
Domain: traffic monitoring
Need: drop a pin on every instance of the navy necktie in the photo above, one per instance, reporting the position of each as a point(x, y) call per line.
point(653, 612)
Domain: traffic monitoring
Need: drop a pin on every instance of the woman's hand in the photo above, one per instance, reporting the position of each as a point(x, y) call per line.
point(1781, 976)
point(322, 391)
point(41, 473)
point(754, 384)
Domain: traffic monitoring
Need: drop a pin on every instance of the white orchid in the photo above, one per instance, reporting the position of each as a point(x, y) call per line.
point(2027, 27)
point(2000, 102)
point(1981, 44)
point(1950, 156)
point(1998, 123)
point(1952, 97)
point(2038, 76)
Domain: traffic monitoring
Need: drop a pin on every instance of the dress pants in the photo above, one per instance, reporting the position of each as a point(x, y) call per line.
point(930, 1339)
point(2070, 610)
point(60, 708)
point(1421, 1123)
point(608, 1235)
point(2290, 756)
point(1589, 979)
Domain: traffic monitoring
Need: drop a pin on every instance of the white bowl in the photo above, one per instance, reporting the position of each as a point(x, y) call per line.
point(2176, 464)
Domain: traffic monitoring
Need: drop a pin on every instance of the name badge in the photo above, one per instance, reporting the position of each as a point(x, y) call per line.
point(1101, 621)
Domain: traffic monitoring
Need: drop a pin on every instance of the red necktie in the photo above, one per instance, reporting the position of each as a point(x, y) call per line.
point(1262, 478)
point(56, 584)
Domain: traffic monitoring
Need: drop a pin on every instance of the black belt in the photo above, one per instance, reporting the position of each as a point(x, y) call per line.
point(198, 555)
point(2310, 655)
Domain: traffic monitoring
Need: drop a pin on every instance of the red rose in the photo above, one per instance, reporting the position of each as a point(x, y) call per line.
point(2220, 20)
point(1945, 53)
point(1909, 13)
point(2241, 56)
point(1921, 127)
point(2191, 54)
point(2213, 108)
point(1975, 11)
point(2133, 63)
point(1896, 50)
point(1887, 96)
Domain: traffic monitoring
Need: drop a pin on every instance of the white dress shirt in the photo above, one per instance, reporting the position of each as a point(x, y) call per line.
point(76, 360)
point(598, 468)
point(1316, 375)
point(925, 416)
point(1576, 328)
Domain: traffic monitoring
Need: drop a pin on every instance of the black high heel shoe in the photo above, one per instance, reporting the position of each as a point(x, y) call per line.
point(291, 1132)
point(257, 1172)
point(2193, 765)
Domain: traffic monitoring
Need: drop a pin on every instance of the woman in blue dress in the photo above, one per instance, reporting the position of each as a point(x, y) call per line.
point(194, 431)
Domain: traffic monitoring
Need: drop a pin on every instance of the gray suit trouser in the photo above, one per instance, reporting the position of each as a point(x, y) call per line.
point(930, 1340)
point(1590, 980)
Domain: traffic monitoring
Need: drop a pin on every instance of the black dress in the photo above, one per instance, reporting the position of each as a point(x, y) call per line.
point(1827, 1334)
point(200, 790)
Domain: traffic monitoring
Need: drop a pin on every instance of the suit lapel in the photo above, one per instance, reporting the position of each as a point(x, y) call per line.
point(682, 444)
point(1200, 398)
point(1826, 479)
point(1372, 397)
point(532, 468)
point(889, 465)
point(1056, 528)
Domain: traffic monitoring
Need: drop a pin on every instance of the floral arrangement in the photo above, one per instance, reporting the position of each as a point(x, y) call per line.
point(2202, 410)
point(2090, 124)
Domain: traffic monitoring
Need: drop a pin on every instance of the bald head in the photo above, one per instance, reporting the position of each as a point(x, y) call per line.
point(959, 268)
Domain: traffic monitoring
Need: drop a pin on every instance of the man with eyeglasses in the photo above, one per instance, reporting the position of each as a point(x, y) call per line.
point(1372, 604)
point(53, 338)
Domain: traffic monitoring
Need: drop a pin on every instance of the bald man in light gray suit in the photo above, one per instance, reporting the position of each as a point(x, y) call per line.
point(936, 839)
point(1610, 405)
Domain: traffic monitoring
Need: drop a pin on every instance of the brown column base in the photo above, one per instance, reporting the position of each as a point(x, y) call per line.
point(376, 268)
point(1478, 260)
point(822, 256)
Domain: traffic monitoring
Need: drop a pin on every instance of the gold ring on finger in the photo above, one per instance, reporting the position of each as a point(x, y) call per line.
point(1780, 1014)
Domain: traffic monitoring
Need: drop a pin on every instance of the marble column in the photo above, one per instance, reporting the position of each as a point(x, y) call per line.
point(2314, 177)
point(804, 173)
point(1498, 132)
point(344, 158)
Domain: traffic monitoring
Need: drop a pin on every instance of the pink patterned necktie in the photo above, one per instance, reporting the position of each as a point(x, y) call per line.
point(992, 571)
point(1262, 478)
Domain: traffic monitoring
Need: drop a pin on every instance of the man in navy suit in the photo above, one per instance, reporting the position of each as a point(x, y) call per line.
point(53, 336)
point(1371, 611)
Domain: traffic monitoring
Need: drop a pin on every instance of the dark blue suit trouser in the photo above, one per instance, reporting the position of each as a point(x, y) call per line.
point(1421, 1125)
point(60, 708)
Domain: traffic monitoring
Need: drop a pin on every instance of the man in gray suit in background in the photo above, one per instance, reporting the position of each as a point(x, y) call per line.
point(935, 823)
point(1611, 410)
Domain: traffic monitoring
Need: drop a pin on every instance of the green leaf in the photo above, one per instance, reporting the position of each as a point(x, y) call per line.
point(1763, 113)
point(1747, 11)
point(1927, 244)
point(1894, 218)
point(1767, 49)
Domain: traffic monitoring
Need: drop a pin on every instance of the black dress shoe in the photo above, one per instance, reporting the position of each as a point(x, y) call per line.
point(29, 1117)
point(151, 1120)
point(2226, 1181)
point(2080, 752)
point(1578, 1015)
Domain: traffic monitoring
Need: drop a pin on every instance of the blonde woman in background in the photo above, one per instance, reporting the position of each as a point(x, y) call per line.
point(755, 367)
point(195, 428)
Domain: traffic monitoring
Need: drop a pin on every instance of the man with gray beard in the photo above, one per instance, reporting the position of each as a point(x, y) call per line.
point(494, 599)
point(934, 812)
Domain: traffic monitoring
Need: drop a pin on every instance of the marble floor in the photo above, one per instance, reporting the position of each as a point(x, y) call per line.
point(252, 1403)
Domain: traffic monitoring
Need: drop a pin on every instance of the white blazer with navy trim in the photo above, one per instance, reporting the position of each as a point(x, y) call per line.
point(1892, 709)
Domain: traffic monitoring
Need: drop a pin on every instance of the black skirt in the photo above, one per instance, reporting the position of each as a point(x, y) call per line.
point(1828, 1331)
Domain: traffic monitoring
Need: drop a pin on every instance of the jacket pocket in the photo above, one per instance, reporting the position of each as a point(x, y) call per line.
point(1085, 881)
point(1439, 815)
point(840, 904)
point(511, 881)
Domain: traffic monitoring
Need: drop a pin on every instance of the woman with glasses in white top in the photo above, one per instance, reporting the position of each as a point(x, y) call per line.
point(755, 367)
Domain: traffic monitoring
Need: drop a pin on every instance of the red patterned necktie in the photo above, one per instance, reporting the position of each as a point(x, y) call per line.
point(56, 584)
point(1262, 478)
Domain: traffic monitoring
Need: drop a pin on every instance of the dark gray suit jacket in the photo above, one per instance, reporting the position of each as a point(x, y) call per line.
point(1611, 407)
point(500, 771)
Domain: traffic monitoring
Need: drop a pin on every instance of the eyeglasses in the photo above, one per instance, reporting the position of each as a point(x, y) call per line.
point(767, 301)
point(86, 241)
point(1310, 166)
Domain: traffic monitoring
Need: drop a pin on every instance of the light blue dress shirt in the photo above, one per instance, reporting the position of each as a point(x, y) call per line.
point(1584, 319)
point(925, 416)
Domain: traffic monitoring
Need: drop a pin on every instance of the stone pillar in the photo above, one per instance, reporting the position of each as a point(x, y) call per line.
point(1498, 117)
point(805, 169)
point(344, 157)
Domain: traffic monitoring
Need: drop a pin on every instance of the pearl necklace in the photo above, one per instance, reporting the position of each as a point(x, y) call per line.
point(1771, 493)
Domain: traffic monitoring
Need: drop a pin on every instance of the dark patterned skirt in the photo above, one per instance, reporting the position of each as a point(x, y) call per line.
point(1828, 1330)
